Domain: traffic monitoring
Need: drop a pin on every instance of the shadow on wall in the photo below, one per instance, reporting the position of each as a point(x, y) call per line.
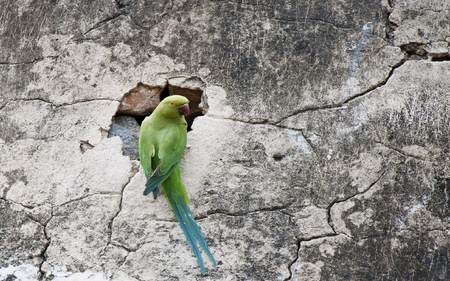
point(140, 102)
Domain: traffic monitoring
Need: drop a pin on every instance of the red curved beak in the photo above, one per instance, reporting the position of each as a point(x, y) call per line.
point(184, 109)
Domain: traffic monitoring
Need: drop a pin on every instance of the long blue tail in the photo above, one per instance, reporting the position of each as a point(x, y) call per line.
point(190, 228)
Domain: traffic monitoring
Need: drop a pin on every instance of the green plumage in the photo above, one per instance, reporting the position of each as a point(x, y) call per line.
point(162, 140)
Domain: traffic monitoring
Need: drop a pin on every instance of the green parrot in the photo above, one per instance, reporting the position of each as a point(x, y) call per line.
point(162, 140)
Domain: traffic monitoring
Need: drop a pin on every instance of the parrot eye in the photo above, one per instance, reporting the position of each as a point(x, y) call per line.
point(172, 104)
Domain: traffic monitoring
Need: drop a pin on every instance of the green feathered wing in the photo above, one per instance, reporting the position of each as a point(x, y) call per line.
point(161, 144)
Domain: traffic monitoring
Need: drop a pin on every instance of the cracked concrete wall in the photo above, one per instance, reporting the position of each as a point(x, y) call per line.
point(323, 153)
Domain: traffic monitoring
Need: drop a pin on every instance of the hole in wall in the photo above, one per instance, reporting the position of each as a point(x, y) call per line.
point(420, 51)
point(414, 51)
point(440, 57)
point(278, 157)
point(195, 98)
point(165, 93)
point(140, 102)
point(138, 119)
point(84, 146)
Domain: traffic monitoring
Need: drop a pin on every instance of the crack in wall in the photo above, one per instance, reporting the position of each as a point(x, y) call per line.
point(43, 254)
point(346, 101)
point(26, 62)
point(338, 105)
point(245, 121)
point(296, 20)
point(334, 234)
point(417, 50)
point(341, 104)
point(336, 201)
point(134, 172)
point(243, 213)
point(299, 245)
point(15, 100)
point(103, 22)
point(404, 153)
point(129, 250)
point(316, 20)
point(118, 245)
point(101, 193)
point(29, 207)
point(75, 102)
point(43, 224)
point(271, 209)
point(122, 7)
point(291, 273)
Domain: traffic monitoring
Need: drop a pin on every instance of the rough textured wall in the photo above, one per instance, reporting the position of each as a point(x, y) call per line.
point(323, 153)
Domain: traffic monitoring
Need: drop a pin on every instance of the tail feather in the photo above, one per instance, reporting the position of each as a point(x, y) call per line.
point(198, 233)
point(190, 228)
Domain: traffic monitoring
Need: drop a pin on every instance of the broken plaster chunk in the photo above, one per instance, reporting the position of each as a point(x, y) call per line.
point(188, 82)
point(395, 16)
point(141, 100)
point(437, 50)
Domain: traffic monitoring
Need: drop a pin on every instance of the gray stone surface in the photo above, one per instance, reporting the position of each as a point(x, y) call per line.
point(127, 128)
point(323, 153)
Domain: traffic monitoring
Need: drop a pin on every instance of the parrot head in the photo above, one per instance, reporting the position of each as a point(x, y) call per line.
point(174, 106)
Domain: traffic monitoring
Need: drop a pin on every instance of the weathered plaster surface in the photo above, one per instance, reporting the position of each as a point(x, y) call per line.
point(323, 152)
